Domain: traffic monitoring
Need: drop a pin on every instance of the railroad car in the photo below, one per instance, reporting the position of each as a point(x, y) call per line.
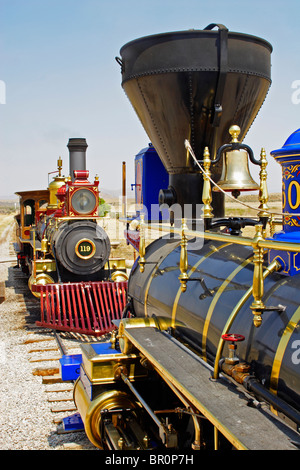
point(64, 249)
point(206, 355)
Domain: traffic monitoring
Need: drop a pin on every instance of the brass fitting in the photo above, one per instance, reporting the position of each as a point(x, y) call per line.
point(142, 247)
point(238, 371)
point(44, 246)
point(257, 305)
point(263, 189)
point(206, 193)
point(183, 257)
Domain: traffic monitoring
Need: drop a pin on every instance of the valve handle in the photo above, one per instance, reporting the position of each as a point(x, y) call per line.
point(233, 337)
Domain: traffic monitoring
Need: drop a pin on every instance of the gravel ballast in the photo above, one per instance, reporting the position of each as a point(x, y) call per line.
point(26, 419)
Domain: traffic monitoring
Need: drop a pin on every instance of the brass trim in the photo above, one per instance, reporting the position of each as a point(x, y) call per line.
point(233, 239)
point(165, 373)
point(215, 300)
point(126, 346)
point(151, 279)
point(281, 348)
point(119, 276)
point(90, 410)
point(274, 266)
point(45, 265)
point(192, 270)
point(257, 305)
point(77, 248)
point(263, 189)
point(183, 262)
point(142, 245)
point(42, 279)
point(87, 216)
point(206, 192)
point(161, 323)
point(287, 155)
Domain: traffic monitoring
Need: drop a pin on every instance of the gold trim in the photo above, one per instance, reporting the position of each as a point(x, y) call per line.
point(183, 262)
point(257, 305)
point(281, 348)
point(285, 268)
point(233, 239)
point(263, 189)
point(294, 260)
point(90, 410)
point(206, 192)
point(77, 248)
point(166, 374)
point(142, 245)
point(192, 270)
point(152, 276)
point(284, 156)
point(274, 266)
point(88, 216)
point(119, 276)
point(42, 279)
point(215, 300)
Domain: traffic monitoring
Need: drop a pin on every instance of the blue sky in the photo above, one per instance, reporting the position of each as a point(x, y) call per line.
point(62, 80)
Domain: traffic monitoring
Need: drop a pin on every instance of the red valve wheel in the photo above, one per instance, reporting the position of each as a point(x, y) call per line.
point(233, 337)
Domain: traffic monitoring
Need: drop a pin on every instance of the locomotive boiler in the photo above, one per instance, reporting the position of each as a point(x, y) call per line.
point(62, 246)
point(206, 355)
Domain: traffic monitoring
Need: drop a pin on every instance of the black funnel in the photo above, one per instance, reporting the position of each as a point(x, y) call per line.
point(194, 85)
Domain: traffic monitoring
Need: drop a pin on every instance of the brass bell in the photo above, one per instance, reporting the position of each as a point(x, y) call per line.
point(235, 175)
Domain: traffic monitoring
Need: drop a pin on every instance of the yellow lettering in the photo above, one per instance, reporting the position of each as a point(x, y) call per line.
point(297, 202)
point(85, 248)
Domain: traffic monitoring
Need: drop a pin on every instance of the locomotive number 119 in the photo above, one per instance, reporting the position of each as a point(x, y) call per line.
point(85, 249)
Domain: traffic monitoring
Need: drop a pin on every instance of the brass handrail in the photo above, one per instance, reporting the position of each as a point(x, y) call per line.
point(239, 240)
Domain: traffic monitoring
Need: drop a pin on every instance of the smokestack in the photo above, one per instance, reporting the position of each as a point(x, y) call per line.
point(77, 148)
point(194, 85)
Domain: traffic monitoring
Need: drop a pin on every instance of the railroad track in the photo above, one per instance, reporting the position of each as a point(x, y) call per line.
point(31, 370)
point(47, 348)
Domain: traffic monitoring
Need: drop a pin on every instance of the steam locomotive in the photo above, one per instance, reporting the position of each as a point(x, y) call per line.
point(206, 355)
point(61, 246)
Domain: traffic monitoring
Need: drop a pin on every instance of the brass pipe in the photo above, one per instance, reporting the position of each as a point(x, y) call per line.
point(257, 305)
point(216, 438)
point(183, 264)
point(124, 209)
point(263, 189)
point(142, 247)
point(65, 218)
point(274, 266)
point(284, 246)
point(206, 193)
point(34, 254)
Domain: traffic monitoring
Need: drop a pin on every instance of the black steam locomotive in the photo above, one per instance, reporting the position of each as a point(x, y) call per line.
point(61, 245)
point(207, 353)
